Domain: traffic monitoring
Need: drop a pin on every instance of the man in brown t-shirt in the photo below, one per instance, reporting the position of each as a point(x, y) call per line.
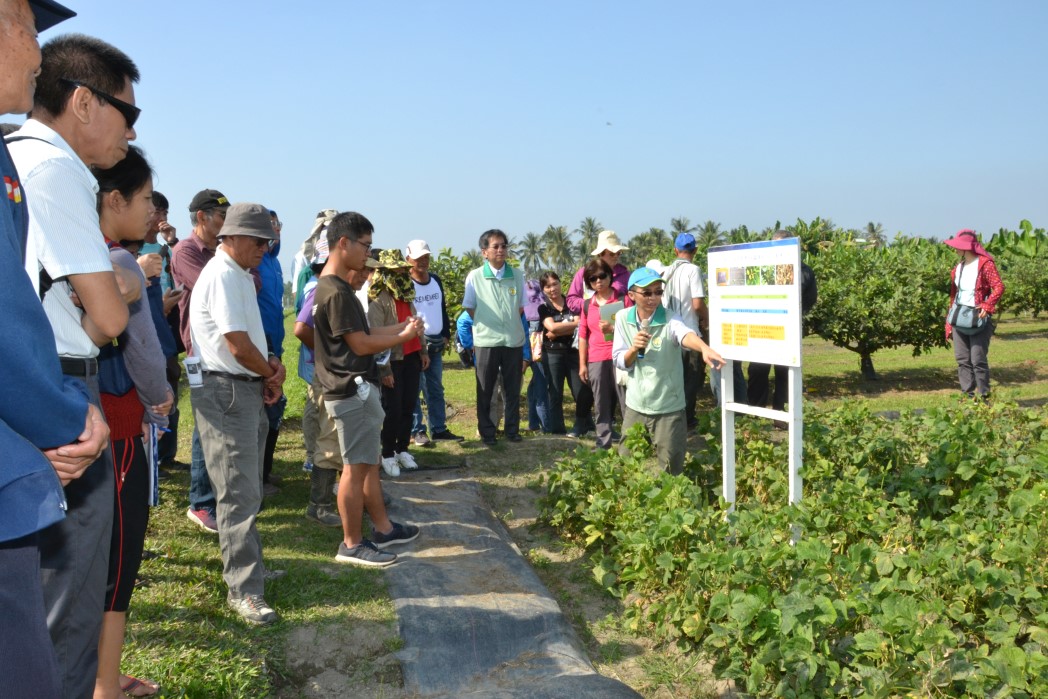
point(346, 370)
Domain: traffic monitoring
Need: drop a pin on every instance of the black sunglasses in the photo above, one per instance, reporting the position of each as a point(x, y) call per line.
point(649, 294)
point(598, 277)
point(129, 111)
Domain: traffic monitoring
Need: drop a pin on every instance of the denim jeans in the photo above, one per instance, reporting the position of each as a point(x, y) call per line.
point(538, 399)
point(201, 496)
point(431, 383)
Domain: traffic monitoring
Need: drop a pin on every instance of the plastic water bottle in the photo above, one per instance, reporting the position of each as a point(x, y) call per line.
point(363, 387)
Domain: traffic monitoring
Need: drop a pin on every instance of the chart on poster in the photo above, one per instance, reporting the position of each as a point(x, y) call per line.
point(754, 298)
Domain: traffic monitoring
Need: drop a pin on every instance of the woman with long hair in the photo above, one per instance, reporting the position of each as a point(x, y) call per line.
point(975, 289)
point(391, 299)
point(135, 396)
point(595, 365)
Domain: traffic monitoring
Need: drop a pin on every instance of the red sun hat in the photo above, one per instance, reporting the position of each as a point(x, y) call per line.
point(966, 240)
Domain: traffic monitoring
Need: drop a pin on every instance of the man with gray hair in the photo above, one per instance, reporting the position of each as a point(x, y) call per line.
point(240, 378)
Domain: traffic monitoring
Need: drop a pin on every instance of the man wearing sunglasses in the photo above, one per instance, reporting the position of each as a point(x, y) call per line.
point(647, 344)
point(82, 117)
point(241, 377)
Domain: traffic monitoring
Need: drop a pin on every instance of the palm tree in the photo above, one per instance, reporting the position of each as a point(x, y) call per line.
point(531, 254)
point(588, 230)
point(874, 233)
point(681, 225)
point(654, 242)
point(709, 235)
point(560, 252)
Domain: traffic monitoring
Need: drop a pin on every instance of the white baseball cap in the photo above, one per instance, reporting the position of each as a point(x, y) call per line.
point(417, 249)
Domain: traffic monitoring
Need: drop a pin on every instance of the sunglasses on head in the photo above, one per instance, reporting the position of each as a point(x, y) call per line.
point(129, 111)
point(648, 294)
point(598, 277)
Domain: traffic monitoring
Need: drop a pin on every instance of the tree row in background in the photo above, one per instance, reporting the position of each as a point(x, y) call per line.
point(873, 293)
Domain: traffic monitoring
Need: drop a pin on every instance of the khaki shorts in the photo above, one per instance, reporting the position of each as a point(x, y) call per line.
point(359, 426)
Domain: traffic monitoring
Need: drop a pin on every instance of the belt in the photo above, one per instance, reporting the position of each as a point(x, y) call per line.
point(79, 366)
point(235, 377)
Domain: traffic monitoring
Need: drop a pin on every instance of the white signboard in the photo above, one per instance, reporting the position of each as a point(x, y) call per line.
point(754, 294)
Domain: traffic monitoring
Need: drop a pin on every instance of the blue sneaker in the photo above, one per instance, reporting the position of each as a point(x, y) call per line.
point(365, 554)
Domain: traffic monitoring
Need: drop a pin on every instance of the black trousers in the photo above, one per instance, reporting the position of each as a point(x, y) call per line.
point(490, 361)
point(563, 365)
point(27, 658)
point(757, 390)
point(399, 404)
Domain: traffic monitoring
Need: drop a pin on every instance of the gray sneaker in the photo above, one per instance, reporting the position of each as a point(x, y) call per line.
point(400, 534)
point(365, 554)
point(324, 516)
point(253, 609)
point(421, 440)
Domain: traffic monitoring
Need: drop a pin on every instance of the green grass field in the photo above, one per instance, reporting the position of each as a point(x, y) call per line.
point(181, 633)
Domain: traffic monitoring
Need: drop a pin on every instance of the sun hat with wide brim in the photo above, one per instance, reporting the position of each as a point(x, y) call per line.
point(967, 240)
point(608, 240)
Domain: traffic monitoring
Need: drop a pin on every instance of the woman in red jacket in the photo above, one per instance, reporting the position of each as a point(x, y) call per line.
point(975, 289)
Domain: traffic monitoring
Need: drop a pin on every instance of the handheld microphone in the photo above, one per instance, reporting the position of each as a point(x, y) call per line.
point(645, 324)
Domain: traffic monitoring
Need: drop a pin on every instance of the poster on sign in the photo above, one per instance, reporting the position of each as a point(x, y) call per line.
point(754, 294)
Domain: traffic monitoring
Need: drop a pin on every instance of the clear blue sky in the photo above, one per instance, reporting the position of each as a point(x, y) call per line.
point(442, 119)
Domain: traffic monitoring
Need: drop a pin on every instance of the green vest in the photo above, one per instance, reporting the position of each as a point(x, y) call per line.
point(496, 319)
point(657, 381)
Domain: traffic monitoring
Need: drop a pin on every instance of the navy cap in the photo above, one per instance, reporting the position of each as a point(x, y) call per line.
point(48, 13)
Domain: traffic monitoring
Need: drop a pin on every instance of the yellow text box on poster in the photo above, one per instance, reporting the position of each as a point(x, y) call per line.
point(726, 333)
point(742, 335)
point(767, 332)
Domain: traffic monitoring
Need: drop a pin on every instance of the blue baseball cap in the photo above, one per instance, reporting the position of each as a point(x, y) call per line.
point(645, 276)
point(684, 241)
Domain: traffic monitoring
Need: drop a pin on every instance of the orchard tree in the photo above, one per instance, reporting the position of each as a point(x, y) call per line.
point(873, 298)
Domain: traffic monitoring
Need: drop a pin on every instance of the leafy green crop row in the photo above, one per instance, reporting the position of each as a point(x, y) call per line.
point(920, 568)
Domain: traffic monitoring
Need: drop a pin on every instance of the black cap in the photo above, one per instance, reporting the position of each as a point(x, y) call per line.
point(48, 13)
point(207, 199)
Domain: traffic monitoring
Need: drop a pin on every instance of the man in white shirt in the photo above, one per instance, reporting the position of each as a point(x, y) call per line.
point(686, 297)
point(83, 116)
point(431, 303)
point(240, 379)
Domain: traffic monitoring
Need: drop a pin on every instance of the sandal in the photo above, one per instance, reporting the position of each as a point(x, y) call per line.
point(134, 687)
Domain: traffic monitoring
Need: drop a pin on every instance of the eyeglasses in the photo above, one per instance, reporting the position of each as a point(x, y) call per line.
point(367, 246)
point(498, 246)
point(648, 294)
point(597, 277)
point(129, 111)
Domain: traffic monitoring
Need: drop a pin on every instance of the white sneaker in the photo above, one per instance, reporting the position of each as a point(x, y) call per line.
point(406, 461)
point(390, 466)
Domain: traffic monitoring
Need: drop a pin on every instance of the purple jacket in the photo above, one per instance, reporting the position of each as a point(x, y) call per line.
point(577, 291)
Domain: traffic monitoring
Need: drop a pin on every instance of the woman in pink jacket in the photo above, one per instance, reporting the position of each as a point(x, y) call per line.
point(975, 289)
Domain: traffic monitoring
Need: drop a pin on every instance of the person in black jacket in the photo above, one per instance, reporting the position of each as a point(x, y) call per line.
point(431, 304)
point(757, 390)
